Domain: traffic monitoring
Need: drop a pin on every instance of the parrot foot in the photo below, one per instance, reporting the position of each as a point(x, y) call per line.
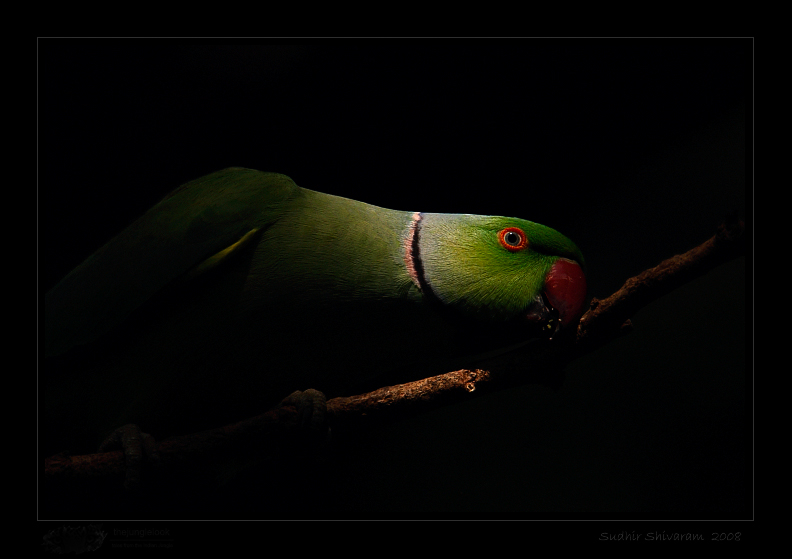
point(138, 448)
point(311, 410)
point(296, 453)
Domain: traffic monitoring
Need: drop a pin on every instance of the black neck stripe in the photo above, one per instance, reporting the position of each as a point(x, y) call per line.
point(426, 289)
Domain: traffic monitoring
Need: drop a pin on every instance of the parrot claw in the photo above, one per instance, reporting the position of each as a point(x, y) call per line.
point(311, 409)
point(310, 431)
point(138, 448)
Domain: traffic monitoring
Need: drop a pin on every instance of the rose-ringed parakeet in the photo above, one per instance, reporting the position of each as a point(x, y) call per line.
point(241, 287)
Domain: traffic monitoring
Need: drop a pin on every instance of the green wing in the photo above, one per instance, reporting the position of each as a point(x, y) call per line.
point(189, 231)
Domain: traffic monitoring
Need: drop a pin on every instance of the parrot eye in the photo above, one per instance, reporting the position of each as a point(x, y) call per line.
point(513, 239)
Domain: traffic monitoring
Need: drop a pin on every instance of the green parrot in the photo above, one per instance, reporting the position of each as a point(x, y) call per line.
point(240, 287)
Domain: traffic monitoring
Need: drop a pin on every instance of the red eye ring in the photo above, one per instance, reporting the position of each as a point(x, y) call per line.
point(508, 241)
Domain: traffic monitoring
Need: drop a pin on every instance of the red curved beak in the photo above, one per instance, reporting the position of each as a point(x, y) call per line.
point(565, 289)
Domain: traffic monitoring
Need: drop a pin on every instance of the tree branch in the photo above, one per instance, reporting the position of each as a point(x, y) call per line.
point(605, 320)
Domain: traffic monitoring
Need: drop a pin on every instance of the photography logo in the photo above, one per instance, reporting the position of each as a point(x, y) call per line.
point(70, 539)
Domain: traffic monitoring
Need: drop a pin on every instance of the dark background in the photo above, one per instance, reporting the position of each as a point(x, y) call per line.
point(634, 148)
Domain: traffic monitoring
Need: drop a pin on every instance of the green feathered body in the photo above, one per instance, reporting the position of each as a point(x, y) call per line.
point(241, 287)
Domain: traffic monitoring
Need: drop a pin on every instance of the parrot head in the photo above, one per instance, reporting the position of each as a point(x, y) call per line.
point(498, 269)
